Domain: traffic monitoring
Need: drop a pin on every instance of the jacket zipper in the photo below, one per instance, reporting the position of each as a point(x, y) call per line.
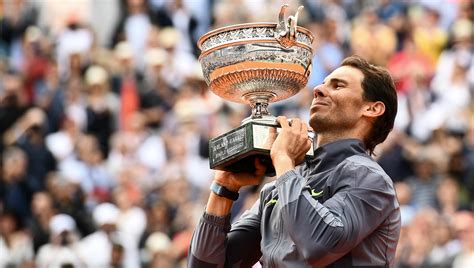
point(275, 248)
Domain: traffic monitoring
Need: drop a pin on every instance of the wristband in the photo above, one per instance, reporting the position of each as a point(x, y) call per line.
point(223, 192)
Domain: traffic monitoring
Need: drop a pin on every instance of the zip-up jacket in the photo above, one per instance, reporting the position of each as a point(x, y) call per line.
point(337, 210)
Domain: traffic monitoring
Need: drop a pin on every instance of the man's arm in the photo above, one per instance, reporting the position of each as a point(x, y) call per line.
point(213, 243)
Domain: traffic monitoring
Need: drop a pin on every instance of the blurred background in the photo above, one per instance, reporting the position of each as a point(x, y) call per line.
point(105, 120)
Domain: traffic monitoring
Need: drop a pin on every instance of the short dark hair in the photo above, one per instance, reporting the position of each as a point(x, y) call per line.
point(378, 85)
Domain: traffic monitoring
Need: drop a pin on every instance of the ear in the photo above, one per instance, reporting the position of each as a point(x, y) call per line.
point(374, 109)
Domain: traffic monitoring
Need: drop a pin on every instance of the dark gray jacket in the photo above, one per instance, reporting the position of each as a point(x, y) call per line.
point(337, 210)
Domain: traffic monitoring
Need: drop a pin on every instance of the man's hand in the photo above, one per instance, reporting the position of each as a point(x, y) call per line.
point(290, 146)
point(234, 181)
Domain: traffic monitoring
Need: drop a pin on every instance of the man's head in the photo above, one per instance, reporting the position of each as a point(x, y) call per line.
point(355, 98)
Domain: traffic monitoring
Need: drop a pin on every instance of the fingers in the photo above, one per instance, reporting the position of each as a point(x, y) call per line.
point(283, 121)
point(259, 167)
point(295, 124)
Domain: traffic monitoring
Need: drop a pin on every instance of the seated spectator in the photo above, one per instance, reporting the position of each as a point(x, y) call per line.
point(424, 183)
point(62, 249)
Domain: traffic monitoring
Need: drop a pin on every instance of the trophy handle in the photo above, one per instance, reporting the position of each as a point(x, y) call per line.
point(286, 30)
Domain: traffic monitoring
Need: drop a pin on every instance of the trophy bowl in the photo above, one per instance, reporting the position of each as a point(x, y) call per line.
point(255, 64)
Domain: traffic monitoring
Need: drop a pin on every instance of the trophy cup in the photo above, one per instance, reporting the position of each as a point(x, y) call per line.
point(255, 64)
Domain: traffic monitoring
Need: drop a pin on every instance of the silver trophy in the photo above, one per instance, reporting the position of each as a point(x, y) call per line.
point(256, 64)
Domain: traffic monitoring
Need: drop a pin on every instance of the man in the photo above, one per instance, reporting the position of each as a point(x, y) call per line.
point(337, 210)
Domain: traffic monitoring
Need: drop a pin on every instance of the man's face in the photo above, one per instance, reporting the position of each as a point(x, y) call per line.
point(338, 103)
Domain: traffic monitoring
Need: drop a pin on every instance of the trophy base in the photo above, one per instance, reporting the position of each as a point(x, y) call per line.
point(236, 150)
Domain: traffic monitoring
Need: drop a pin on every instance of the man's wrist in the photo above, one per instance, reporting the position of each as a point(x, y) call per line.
point(282, 164)
point(223, 191)
point(229, 186)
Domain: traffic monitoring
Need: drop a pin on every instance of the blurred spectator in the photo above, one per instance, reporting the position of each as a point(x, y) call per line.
point(104, 26)
point(16, 248)
point(13, 103)
point(372, 39)
point(409, 66)
point(184, 21)
point(134, 27)
point(453, 79)
point(42, 208)
point(428, 36)
point(139, 149)
point(35, 52)
point(73, 44)
point(393, 155)
point(17, 187)
point(181, 63)
point(49, 95)
point(417, 241)
point(126, 82)
point(158, 98)
point(107, 246)
point(102, 106)
point(412, 73)
point(448, 197)
point(183, 163)
point(424, 183)
point(69, 199)
point(62, 249)
point(61, 143)
point(445, 246)
point(18, 16)
point(464, 226)
point(131, 223)
point(29, 134)
point(157, 248)
point(90, 171)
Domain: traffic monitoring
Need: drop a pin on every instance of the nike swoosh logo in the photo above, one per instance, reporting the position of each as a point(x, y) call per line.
point(316, 194)
point(271, 202)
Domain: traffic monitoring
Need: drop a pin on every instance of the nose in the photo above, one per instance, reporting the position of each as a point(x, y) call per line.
point(319, 91)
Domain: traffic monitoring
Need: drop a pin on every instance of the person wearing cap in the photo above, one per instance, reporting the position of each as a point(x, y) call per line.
point(102, 105)
point(107, 246)
point(62, 248)
point(181, 61)
point(158, 97)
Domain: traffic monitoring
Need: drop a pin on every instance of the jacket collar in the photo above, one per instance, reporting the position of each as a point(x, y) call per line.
point(331, 154)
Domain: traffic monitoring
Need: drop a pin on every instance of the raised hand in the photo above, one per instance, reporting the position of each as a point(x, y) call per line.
point(234, 181)
point(290, 146)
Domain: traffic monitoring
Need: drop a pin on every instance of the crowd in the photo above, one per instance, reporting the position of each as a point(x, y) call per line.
point(105, 120)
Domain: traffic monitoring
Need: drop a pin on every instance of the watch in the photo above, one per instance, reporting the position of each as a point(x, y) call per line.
point(220, 190)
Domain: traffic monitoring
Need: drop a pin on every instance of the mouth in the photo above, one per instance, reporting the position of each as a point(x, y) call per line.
point(319, 104)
